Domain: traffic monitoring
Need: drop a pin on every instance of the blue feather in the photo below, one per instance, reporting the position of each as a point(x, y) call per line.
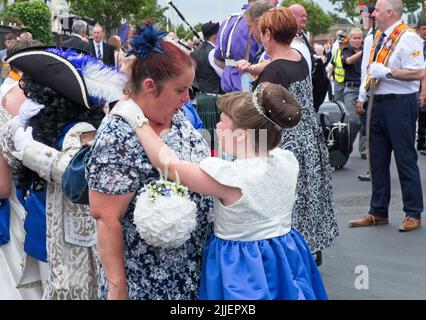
point(147, 41)
point(83, 62)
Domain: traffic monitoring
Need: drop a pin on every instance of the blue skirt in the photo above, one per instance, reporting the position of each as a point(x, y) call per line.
point(280, 268)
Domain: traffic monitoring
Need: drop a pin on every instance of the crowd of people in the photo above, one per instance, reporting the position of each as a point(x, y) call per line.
point(231, 122)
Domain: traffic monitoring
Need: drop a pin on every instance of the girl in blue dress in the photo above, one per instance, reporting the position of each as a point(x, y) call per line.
point(254, 252)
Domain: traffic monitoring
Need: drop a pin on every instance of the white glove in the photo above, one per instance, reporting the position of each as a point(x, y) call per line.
point(130, 112)
point(378, 71)
point(28, 110)
point(22, 139)
point(14, 125)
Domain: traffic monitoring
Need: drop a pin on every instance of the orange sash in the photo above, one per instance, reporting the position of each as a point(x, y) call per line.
point(14, 75)
point(387, 48)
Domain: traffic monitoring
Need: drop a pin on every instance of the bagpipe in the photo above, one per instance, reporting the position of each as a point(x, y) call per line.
point(185, 21)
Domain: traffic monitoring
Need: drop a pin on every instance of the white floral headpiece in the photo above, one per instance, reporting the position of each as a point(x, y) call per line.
point(259, 91)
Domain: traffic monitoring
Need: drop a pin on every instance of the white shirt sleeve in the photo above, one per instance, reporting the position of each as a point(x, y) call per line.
point(216, 68)
point(303, 49)
point(412, 52)
point(368, 43)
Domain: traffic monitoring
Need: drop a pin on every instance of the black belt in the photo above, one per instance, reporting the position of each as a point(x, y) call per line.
point(352, 84)
point(392, 96)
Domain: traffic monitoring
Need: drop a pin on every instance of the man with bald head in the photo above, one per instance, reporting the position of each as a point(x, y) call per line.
point(300, 14)
point(320, 82)
point(100, 49)
point(393, 81)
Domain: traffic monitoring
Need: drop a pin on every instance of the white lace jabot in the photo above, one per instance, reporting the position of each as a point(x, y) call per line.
point(268, 187)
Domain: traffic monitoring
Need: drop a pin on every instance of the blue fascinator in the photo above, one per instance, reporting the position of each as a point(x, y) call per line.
point(74, 75)
point(147, 40)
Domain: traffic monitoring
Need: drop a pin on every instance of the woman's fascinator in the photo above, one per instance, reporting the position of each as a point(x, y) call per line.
point(76, 76)
point(147, 41)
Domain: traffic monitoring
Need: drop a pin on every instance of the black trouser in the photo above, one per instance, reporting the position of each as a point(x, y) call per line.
point(393, 128)
point(421, 132)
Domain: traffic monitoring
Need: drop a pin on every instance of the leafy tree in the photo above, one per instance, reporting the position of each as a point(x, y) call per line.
point(34, 16)
point(318, 20)
point(338, 19)
point(348, 6)
point(414, 5)
point(110, 13)
point(150, 11)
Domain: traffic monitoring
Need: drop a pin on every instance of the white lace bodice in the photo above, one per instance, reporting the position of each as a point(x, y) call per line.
point(268, 188)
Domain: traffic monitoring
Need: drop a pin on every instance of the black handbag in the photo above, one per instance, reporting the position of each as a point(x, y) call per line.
point(74, 183)
point(320, 82)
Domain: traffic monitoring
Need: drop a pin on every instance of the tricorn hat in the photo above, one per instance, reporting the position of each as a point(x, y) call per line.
point(74, 75)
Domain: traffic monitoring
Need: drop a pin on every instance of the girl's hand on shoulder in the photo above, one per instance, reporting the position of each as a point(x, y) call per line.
point(130, 112)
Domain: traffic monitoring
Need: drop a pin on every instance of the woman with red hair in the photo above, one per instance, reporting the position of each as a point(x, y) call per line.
point(313, 212)
point(118, 168)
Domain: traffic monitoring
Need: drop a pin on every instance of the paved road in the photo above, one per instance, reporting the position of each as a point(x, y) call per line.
point(395, 261)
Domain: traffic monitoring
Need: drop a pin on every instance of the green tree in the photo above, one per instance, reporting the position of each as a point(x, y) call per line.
point(198, 27)
point(150, 11)
point(349, 6)
point(33, 16)
point(338, 19)
point(318, 20)
point(183, 32)
point(110, 13)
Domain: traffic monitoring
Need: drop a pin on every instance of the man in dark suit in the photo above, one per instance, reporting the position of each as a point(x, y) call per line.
point(77, 40)
point(100, 49)
point(320, 82)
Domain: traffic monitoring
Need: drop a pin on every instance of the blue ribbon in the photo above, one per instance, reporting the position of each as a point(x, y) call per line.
point(35, 206)
point(4, 222)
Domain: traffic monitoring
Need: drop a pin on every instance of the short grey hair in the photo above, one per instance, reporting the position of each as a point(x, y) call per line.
point(256, 10)
point(397, 7)
point(79, 26)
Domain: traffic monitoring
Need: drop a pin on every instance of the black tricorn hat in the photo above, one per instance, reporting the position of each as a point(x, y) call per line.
point(65, 73)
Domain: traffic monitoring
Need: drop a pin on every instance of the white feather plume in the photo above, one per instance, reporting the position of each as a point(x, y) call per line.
point(103, 82)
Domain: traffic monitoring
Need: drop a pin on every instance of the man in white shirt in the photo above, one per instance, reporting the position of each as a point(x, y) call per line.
point(421, 130)
point(393, 117)
point(320, 82)
point(362, 102)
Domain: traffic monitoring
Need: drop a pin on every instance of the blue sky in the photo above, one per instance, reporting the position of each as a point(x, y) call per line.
point(216, 10)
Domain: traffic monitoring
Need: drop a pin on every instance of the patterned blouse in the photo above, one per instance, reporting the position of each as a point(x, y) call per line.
point(119, 165)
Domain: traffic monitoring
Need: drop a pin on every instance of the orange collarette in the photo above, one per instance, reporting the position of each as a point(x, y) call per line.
point(14, 75)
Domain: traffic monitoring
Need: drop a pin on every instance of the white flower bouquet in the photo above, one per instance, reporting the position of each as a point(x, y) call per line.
point(164, 214)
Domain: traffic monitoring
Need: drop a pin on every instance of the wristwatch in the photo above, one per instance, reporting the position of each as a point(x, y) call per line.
point(389, 75)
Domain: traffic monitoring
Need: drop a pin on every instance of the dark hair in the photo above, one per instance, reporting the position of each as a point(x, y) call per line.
point(48, 123)
point(421, 23)
point(10, 36)
point(277, 104)
point(160, 67)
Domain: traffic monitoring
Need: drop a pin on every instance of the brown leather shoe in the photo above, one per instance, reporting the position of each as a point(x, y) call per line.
point(368, 220)
point(410, 224)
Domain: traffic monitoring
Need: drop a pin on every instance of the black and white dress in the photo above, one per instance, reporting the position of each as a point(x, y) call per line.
point(313, 212)
point(119, 165)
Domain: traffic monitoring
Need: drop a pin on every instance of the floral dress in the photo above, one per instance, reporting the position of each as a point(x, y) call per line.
point(313, 212)
point(119, 165)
